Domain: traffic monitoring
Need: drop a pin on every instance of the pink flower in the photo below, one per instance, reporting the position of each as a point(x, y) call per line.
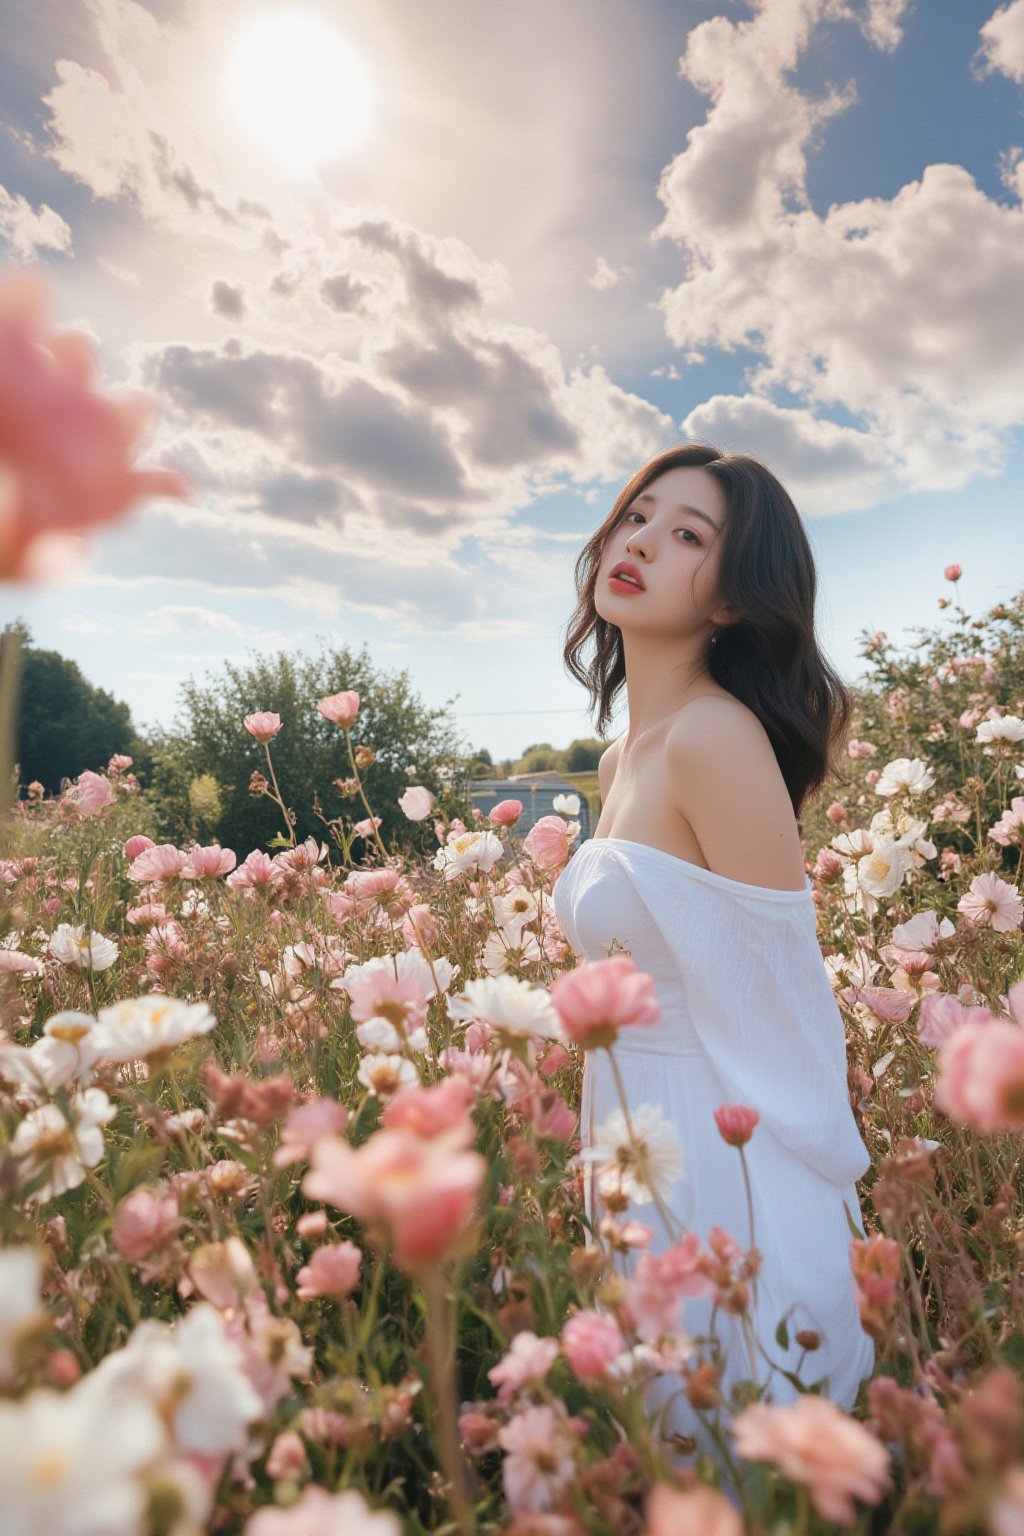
point(547, 842)
point(736, 1123)
point(311, 1224)
point(367, 827)
point(318, 1513)
point(257, 869)
point(942, 1015)
point(144, 1223)
point(264, 725)
point(952, 573)
point(506, 812)
point(287, 1458)
point(148, 912)
point(981, 1076)
point(333, 1270)
point(417, 802)
point(420, 926)
point(697, 1511)
point(65, 449)
point(207, 863)
point(399, 999)
point(160, 863)
point(591, 1342)
point(304, 1125)
point(119, 762)
point(90, 793)
point(429, 1111)
point(989, 900)
point(527, 1360)
point(136, 845)
point(595, 1001)
point(223, 1272)
point(340, 708)
point(423, 1191)
point(660, 1285)
point(815, 1443)
point(14, 963)
point(540, 1464)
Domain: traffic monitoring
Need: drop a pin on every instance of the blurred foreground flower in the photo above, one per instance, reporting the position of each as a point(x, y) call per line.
point(65, 449)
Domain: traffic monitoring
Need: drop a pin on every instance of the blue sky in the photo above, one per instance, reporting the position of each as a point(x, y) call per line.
point(410, 361)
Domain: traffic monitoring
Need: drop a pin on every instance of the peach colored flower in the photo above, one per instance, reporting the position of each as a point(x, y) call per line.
point(207, 863)
point(223, 1273)
point(318, 1513)
point(595, 1001)
point(90, 793)
point(420, 926)
point(264, 725)
point(697, 1511)
point(14, 963)
point(311, 1224)
point(981, 1076)
point(333, 1270)
point(989, 900)
point(736, 1123)
point(305, 1124)
point(144, 1223)
point(256, 870)
point(287, 1458)
point(660, 1284)
point(65, 449)
point(591, 1342)
point(157, 864)
point(340, 708)
point(136, 845)
point(547, 842)
point(506, 812)
point(429, 1111)
point(417, 802)
point(815, 1443)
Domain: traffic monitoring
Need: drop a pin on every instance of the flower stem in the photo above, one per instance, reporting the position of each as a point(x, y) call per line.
point(442, 1374)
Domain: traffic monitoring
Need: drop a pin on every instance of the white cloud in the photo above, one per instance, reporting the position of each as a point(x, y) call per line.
point(25, 229)
point(1002, 42)
point(907, 313)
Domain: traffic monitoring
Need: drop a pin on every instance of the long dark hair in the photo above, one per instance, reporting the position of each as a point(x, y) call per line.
point(768, 658)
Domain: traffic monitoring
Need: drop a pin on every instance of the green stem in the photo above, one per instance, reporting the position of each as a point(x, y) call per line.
point(362, 796)
point(673, 1226)
point(442, 1375)
point(10, 678)
point(277, 795)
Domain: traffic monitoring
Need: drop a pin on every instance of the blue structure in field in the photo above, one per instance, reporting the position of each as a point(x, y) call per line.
point(537, 792)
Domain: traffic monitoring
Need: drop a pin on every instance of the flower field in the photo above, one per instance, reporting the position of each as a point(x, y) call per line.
point(291, 1185)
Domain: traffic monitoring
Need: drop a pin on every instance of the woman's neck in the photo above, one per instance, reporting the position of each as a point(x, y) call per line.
point(662, 674)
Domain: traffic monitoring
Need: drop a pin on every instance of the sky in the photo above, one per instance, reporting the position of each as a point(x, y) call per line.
point(417, 288)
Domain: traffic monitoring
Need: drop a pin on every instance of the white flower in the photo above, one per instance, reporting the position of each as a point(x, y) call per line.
point(504, 948)
point(192, 1374)
point(467, 851)
point(44, 1066)
point(514, 909)
point(46, 1142)
point(852, 970)
point(70, 1462)
point(82, 948)
point(379, 1034)
point(640, 1169)
point(905, 829)
point(1001, 728)
point(922, 931)
point(194, 905)
point(512, 1006)
point(20, 1308)
point(384, 1074)
point(910, 775)
point(853, 844)
point(417, 802)
point(566, 805)
point(880, 872)
point(134, 1028)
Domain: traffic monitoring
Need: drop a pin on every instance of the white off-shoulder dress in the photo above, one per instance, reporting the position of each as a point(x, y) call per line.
point(747, 1017)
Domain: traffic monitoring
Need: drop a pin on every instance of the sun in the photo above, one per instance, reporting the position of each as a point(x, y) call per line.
point(299, 88)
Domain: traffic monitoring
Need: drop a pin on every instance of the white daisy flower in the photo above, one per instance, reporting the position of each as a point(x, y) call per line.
point(642, 1169)
point(511, 1006)
point(906, 775)
point(467, 852)
point(46, 1142)
point(81, 948)
point(134, 1028)
point(384, 1073)
point(1002, 728)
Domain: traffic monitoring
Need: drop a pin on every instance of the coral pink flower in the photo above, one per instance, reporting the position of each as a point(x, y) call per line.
point(90, 793)
point(420, 926)
point(981, 1076)
point(697, 1511)
point(595, 1001)
point(157, 864)
point(817, 1444)
point(506, 812)
point(660, 1285)
point(340, 708)
point(547, 842)
point(65, 449)
point(736, 1123)
point(591, 1342)
point(304, 1125)
point(952, 573)
point(136, 845)
point(429, 1111)
point(311, 1224)
point(989, 900)
point(333, 1270)
point(144, 1223)
point(264, 725)
point(223, 1272)
point(417, 802)
point(208, 863)
point(423, 1191)
point(527, 1360)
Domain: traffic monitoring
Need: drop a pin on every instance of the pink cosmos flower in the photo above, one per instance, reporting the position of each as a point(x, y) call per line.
point(136, 845)
point(506, 812)
point(815, 1443)
point(942, 1015)
point(660, 1285)
point(119, 763)
point(207, 863)
point(547, 842)
point(158, 864)
point(311, 1224)
point(429, 1111)
point(340, 708)
point(304, 1125)
point(420, 926)
point(591, 1342)
point(14, 963)
point(90, 793)
point(144, 1223)
point(417, 802)
point(287, 1458)
point(223, 1273)
point(981, 1076)
point(952, 573)
point(65, 449)
point(379, 993)
point(697, 1511)
point(264, 725)
point(148, 912)
point(423, 1191)
point(595, 1001)
point(333, 1270)
point(257, 869)
point(989, 900)
point(736, 1123)
point(540, 1464)
point(527, 1360)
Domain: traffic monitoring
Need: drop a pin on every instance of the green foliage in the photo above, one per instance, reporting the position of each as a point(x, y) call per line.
point(65, 725)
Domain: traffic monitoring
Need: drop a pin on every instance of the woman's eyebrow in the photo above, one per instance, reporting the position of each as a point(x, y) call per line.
point(695, 511)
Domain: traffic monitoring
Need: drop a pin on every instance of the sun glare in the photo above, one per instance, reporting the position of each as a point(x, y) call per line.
point(299, 88)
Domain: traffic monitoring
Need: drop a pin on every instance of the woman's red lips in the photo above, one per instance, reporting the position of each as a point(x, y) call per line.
point(625, 569)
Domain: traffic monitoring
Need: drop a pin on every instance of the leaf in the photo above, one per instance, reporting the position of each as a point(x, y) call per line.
point(852, 1224)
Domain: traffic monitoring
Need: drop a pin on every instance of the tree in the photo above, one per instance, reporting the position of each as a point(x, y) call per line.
point(412, 745)
point(65, 725)
point(538, 758)
point(581, 755)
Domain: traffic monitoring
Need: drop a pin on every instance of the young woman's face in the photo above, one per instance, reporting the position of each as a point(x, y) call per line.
point(672, 534)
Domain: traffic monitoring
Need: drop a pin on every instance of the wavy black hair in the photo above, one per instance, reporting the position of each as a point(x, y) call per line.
point(768, 657)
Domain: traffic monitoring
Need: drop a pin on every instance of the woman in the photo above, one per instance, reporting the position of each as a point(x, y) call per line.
point(698, 593)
